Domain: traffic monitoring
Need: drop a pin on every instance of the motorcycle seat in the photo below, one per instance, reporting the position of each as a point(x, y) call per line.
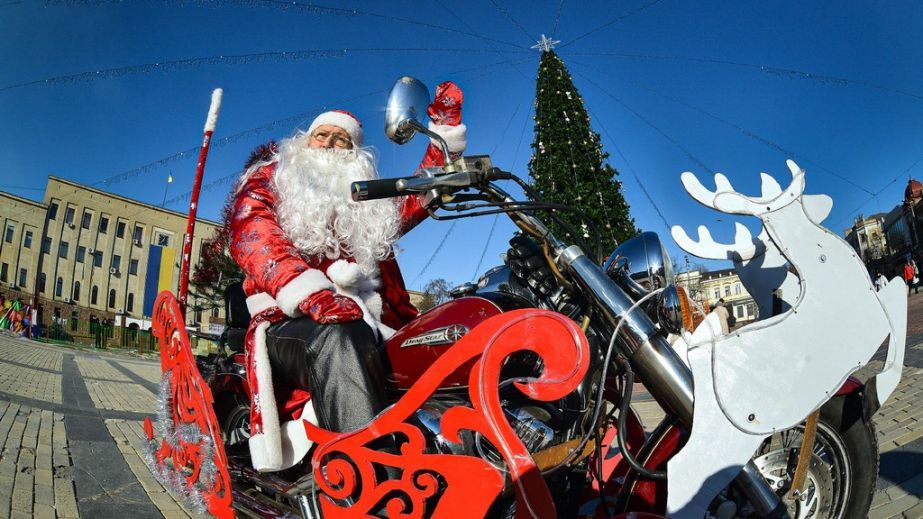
point(238, 317)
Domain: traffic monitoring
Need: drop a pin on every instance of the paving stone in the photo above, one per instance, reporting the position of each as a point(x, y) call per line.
point(894, 508)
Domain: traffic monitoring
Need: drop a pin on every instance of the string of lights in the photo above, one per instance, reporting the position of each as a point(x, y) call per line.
point(291, 5)
point(239, 59)
point(510, 18)
point(613, 21)
point(777, 71)
point(557, 18)
point(648, 122)
point(753, 135)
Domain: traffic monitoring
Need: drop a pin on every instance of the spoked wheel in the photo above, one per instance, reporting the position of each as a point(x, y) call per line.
point(841, 474)
point(826, 487)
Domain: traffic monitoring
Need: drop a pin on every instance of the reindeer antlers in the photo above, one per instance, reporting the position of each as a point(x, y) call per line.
point(726, 200)
point(708, 248)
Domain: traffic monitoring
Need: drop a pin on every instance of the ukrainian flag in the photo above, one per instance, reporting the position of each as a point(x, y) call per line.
point(159, 275)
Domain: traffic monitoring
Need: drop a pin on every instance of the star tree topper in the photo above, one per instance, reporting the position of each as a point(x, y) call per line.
point(545, 44)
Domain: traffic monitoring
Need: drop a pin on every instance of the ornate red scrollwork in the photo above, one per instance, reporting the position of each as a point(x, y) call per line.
point(186, 451)
point(356, 478)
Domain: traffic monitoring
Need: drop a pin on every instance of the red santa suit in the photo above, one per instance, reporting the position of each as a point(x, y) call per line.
point(279, 277)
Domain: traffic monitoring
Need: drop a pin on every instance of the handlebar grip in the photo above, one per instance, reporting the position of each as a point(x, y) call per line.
point(375, 189)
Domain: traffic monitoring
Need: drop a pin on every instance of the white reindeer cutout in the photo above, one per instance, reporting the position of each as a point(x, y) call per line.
point(772, 374)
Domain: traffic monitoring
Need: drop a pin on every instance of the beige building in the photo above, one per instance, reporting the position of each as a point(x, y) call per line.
point(96, 256)
point(724, 284)
point(867, 236)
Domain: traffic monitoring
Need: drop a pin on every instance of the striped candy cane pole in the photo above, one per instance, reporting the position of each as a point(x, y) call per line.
point(194, 203)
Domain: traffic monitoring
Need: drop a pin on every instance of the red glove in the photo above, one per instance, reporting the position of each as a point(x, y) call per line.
point(326, 307)
point(447, 104)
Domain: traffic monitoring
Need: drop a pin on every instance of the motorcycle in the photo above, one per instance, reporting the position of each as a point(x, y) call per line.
point(513, 398)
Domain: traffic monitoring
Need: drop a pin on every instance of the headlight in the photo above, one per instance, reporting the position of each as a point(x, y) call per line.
point(640, 265)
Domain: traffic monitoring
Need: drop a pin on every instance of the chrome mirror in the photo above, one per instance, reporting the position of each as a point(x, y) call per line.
point(406, 106)
point(640, 265)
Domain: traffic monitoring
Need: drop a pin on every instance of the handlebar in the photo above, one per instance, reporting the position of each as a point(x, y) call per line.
point(392, 187)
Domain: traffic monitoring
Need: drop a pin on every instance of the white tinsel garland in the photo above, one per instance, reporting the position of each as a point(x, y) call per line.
point(171, 477)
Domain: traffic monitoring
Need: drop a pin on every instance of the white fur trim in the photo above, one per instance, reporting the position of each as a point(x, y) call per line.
point(213, 110)
point(455, 136)
point(296, 290)
point(265, 449)
point(373, 303)
point(259, 302)
point(260, 453)
point(345, 121)
point(295, 441)
point(345, 274)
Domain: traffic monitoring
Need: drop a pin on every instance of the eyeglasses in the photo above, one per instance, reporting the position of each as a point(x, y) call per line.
point(325, 138)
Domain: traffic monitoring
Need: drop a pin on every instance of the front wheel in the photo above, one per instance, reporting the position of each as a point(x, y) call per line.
point(842, 472)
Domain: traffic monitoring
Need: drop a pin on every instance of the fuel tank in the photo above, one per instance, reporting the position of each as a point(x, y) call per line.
point(420, 342)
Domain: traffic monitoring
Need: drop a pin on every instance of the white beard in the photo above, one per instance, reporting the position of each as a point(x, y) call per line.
point(315, 209)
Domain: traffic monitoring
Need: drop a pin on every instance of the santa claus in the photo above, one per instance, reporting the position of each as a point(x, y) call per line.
point(322, 283)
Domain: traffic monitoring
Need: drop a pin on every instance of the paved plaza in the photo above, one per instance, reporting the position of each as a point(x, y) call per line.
point(70, 432)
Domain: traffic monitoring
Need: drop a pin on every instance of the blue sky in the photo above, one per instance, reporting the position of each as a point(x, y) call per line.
point(729, 86)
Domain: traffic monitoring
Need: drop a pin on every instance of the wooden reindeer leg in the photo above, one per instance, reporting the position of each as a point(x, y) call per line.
point(804, 456)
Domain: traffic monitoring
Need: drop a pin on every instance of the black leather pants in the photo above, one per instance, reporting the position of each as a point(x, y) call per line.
point(338, 363)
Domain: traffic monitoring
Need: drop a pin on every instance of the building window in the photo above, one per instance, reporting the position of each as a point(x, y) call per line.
point(98, 259)
point(133, 267)
point(130, 304)
point(74, 321)
point(103, 224)
point(751, 310)
point(27, 241)
point(41, 282)
point(85, 223)
point(727, 290)
point(46, 245)
point(137, 234)
point(52, 211)
point(737, 289)
point(69, 215)
point(81, 253)
point(120, 230)
point(58, 287)
point(76, 294)
point(163, 239)
point(10, 229)
point(740, 311)
point(62, 249)
point(197, 315)
point(717, 293)
point(215, 312)
point(94, 295)
point(4, 271)
point(23, 274)
point(112, 298)
point(116, 261)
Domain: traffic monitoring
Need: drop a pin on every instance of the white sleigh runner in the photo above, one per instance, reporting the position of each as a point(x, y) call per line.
point(771, 375)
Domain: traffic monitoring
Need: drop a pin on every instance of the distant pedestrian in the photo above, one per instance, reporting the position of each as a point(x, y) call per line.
point(722, 312)
point(911, 278)
point(880, 281)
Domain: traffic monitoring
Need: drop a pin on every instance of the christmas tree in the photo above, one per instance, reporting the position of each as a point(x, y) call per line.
point(568, 164)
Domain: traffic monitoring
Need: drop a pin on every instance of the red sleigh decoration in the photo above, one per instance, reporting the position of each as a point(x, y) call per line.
point(438, 486)
point(190, 458)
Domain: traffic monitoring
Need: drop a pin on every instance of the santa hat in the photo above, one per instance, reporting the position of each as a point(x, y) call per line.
point(342, 119)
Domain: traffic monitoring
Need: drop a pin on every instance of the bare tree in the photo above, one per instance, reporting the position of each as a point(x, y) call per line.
point(435, 293)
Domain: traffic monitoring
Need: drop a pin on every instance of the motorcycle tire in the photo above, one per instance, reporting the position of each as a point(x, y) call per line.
point(233, 413)
point(845, 449)
point(846, 415)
